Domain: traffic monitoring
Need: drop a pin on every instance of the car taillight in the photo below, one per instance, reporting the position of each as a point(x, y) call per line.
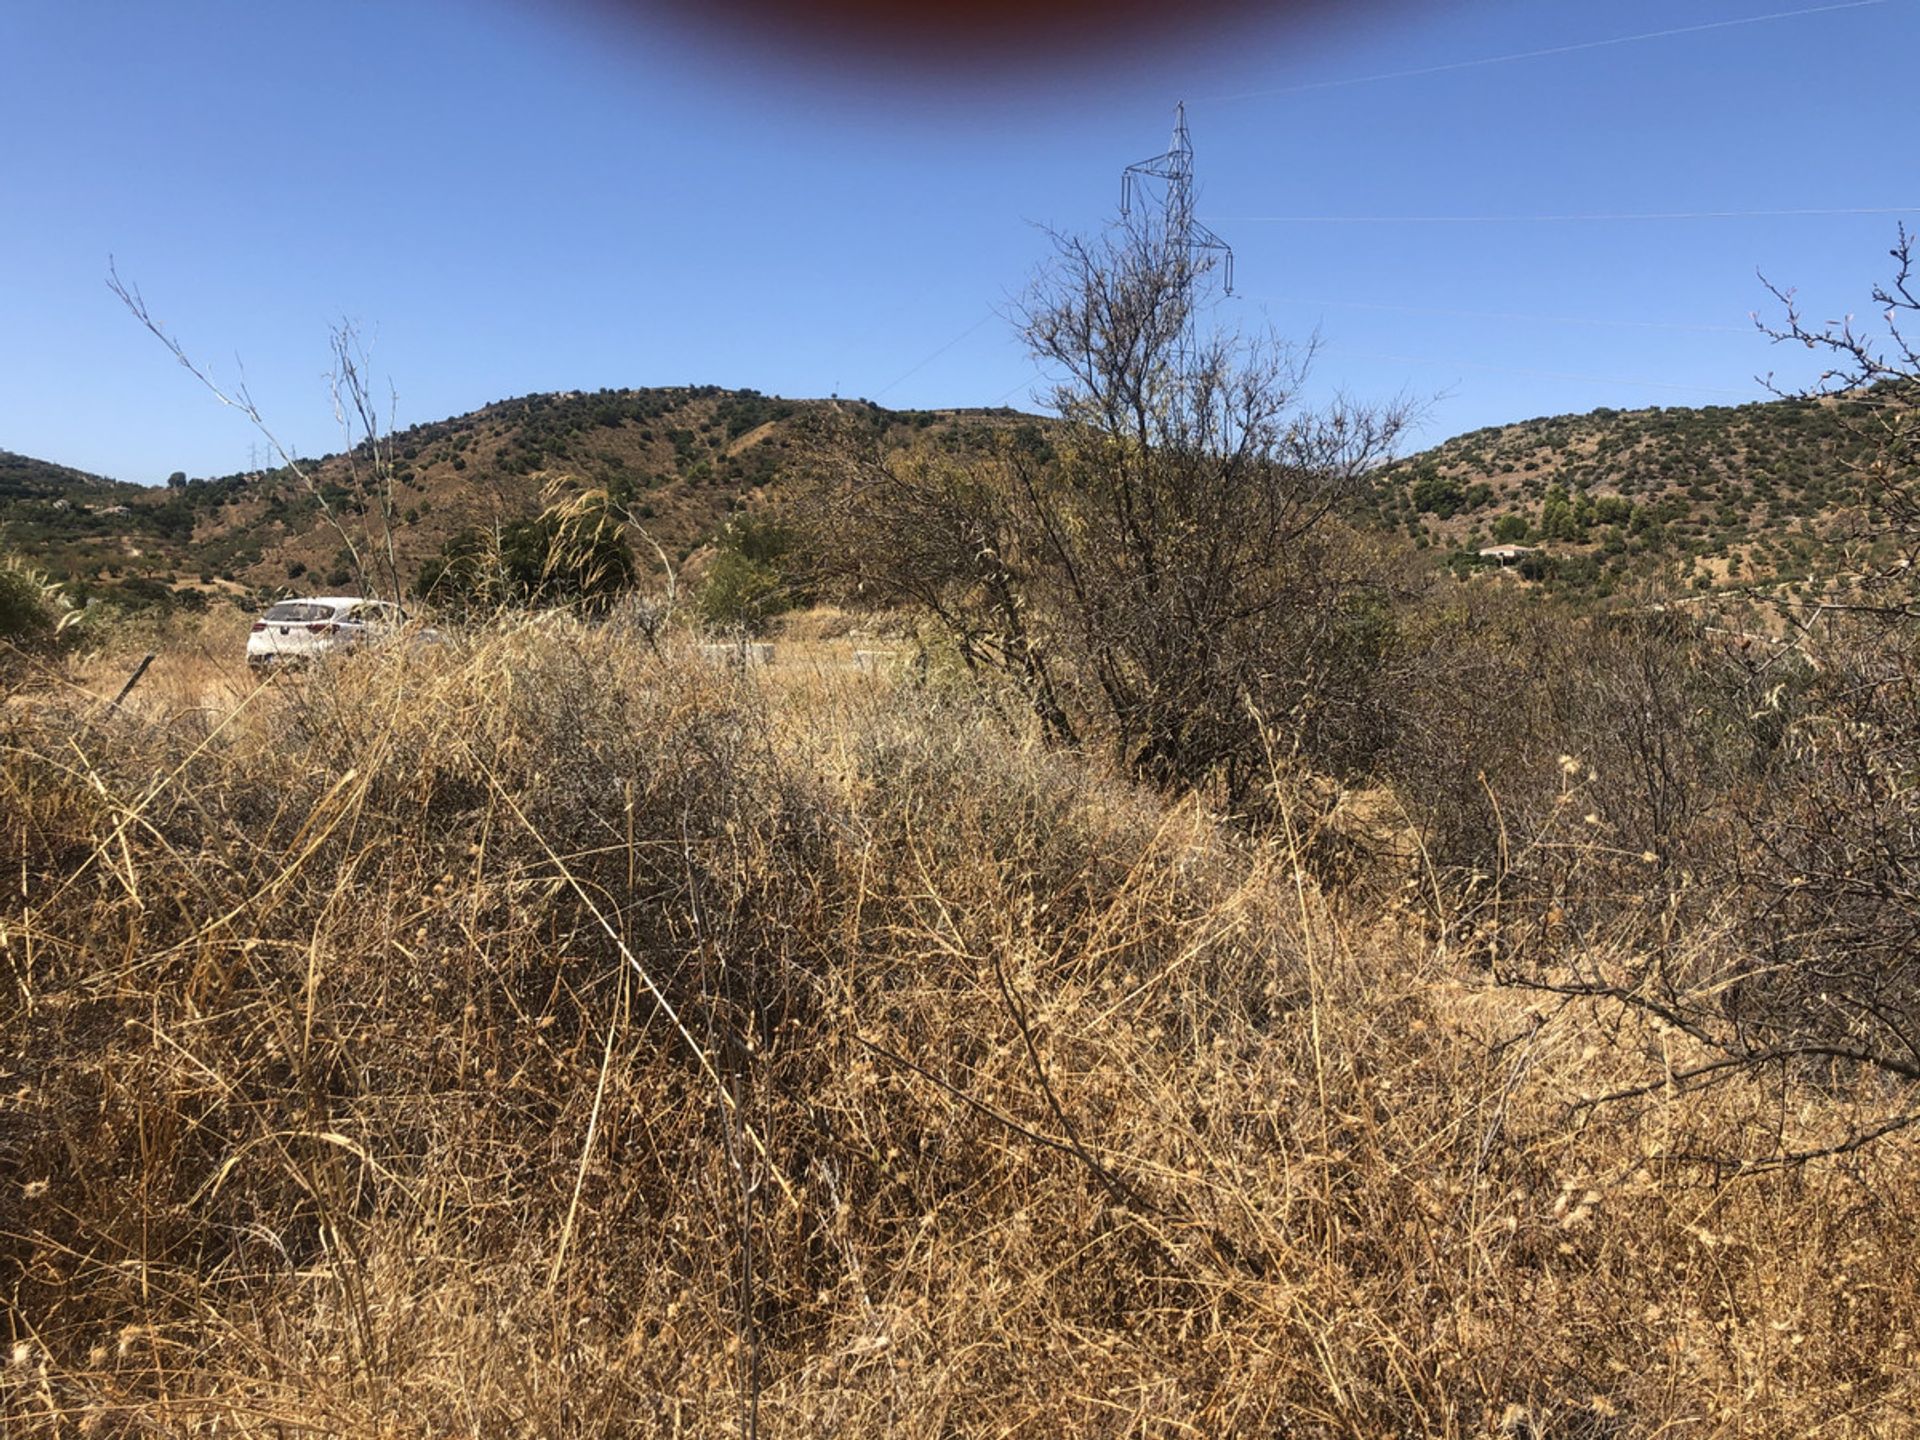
point(258, 626)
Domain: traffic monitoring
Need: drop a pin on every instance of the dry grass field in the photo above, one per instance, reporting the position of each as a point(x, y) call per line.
point(538, 1035)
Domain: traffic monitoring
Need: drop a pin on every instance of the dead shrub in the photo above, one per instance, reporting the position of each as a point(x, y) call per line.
point(535, 1035)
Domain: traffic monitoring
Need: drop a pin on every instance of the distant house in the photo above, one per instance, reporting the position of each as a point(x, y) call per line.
point(1508, 554)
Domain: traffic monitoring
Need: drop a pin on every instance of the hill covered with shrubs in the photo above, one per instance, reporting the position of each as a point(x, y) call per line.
point(1718, 496)
point(1715, 495)
point(679, 461)
point(1233, 980)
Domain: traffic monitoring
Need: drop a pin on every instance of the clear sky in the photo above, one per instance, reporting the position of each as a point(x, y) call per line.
point(509, 197)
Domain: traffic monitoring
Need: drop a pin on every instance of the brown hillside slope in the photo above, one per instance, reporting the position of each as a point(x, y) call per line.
point(1720, 494)
point(680, 459)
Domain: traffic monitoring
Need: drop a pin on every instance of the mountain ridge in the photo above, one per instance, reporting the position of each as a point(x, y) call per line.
point(1714, 495)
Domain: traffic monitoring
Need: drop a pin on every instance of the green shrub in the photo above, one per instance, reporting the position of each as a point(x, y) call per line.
point(575, 552)
point(32, 611)
point(1440, 495)
point(746, 586)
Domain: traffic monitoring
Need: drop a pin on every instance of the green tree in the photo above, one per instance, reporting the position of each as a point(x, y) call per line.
point(746, 586)
point(573, 553)
point(1440, 495)
point(1556, 516)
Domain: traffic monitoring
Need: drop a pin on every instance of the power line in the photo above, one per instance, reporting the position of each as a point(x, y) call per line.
point(908, 375)
point(1503, 315)
point(1598, 215)
point(1007, 395)
point(1545, 374)
point(873, 328)
point(1545, 51)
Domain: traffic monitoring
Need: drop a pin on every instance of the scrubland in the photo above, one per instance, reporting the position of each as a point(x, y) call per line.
point(546, 1034)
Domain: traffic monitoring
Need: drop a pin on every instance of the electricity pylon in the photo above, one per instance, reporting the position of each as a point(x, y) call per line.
point(1185, 236)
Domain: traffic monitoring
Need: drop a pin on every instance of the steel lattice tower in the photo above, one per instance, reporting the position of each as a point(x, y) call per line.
point(1185, 236)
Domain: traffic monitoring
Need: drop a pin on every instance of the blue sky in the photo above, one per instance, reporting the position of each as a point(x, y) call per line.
point(507, 197)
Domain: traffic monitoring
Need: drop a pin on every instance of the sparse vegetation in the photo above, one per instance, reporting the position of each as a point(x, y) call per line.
point(1762, 468)
point(534, 1035)
point(1610, 486)
point(1253, 971)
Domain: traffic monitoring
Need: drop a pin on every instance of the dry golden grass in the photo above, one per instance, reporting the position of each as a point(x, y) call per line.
point(199, 664)
point(533, 1036)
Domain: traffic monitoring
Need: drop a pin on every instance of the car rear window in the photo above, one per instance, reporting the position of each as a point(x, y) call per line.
point(296, 610)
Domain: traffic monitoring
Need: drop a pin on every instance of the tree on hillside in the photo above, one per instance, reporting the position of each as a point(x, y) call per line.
point(1163, 572)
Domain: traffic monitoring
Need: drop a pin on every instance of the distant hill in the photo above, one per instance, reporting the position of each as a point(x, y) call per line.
point(23, 478)
point(1718, 495)
point(66, 521)
point(681, 459)
point(1715, 496)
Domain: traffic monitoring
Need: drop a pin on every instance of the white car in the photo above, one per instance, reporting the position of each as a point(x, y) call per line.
point(299, 630)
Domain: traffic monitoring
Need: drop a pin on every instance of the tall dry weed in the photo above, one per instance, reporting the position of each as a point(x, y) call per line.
point(533, 1035)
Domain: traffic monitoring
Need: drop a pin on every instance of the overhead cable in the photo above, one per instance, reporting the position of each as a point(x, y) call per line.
point(1574, 217)
point(1544, 51)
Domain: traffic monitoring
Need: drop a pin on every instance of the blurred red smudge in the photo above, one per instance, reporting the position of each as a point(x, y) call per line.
point(980, 35)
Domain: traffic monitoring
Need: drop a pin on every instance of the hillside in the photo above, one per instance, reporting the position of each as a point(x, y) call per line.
point(681, 459)
point(1720, 495)
point(1723, 493)
point(24, 479)
point(73, 525)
